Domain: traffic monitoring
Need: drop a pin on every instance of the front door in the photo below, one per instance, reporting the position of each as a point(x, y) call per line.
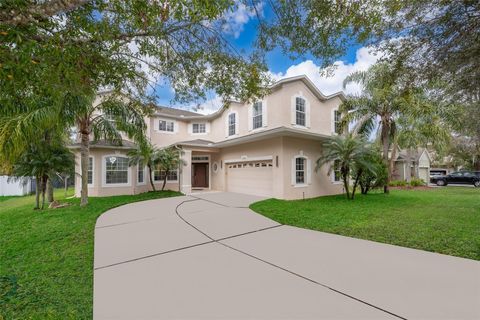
point(200, 175)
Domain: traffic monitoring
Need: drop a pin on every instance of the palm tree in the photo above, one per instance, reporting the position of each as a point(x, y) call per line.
point(348, 151)
point(146, 153)
point(41, 160)
point(383, 99)
point(422, 127)
point(106, 118)
point(168, 159)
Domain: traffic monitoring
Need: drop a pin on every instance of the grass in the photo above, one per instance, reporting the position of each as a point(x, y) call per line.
point(46, 257)
point(443, 220)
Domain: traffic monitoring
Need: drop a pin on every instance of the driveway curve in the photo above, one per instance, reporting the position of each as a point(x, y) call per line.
point(207, 256)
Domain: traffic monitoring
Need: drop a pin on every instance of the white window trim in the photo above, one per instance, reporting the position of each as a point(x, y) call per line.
point(207, 128)
point(104, 173)
point(332, 123)
point(168, 181)
point(91, 185)
point(264, 116)
point(144, 176)
point(293, 111)
point(308, 171)
point(157, 125)
point(227, 133)
point(332, 174)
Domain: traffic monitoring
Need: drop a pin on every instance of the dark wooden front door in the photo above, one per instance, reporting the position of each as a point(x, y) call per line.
point(200, 175)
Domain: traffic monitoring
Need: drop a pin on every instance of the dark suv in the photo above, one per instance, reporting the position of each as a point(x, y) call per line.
point(459, 177)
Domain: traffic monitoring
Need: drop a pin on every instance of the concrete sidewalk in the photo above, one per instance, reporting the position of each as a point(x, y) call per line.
point(208, 256)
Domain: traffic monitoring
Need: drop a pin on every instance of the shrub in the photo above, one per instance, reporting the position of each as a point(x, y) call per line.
point(398, 183)
point(417, 182)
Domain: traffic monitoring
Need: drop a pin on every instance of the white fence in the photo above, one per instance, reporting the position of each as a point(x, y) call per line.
point(14, 187)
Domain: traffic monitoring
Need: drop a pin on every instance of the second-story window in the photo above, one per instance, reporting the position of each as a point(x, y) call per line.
point(198, 128)
point(257, 115)
point(337, 121)
point(300, 112)
point(164, 125)
point(232, 123)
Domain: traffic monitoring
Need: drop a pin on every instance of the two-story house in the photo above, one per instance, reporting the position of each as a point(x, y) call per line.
point(267, 148)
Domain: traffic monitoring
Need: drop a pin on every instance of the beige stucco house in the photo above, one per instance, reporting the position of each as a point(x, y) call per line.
point(420, 165)
point(266, 148)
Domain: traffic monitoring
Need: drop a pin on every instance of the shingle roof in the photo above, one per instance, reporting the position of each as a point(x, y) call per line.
point(125, 144)
point(196, 142)
point(175, 112)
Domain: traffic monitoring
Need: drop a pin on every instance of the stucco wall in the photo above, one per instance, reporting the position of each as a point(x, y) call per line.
point(279, 104)
point(320, 182)
point(99, 189)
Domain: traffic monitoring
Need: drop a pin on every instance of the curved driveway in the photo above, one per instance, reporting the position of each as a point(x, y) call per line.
point(208, 256)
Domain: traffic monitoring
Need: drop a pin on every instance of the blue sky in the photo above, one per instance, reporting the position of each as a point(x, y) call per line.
point(241, 31)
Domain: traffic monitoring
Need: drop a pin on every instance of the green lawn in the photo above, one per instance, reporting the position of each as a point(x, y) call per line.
point(444, 220)
point(46, 257)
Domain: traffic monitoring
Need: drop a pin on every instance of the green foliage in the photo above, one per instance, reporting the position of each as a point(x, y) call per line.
point(42, 160)
point(167, 159)
point(348, 151)
point(443, 220)
point(146, 153)
point(398, 183)
point(373, 177)
point(436, 40)
point(50, 255)
point(77, 46)
point(417, 182)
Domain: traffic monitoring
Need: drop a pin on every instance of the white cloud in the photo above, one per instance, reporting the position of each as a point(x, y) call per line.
point(234, 21)
point(334, 82)
point(327, 84)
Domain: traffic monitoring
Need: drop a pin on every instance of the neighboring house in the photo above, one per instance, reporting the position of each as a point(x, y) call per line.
point(420, 165)
point(267, 148)
point(10, 186)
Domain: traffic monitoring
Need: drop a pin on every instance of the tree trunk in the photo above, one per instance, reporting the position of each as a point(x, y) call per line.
point(385, 145)
point(151, 179)
point(49, 190)
point(391, 163)
point(84, 155)
point(44, 188)
point(355, 184)
point(408, 166)
point(37, 192)
point(165, 179)
point(345, 174)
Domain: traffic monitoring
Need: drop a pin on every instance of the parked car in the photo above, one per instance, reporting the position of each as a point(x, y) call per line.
point(477, 173)
point(459, 177)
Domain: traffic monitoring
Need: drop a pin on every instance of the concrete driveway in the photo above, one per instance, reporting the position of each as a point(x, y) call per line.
point(208, 256)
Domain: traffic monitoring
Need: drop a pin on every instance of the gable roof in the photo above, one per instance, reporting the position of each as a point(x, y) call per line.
point(162, 110)
point(188, 115)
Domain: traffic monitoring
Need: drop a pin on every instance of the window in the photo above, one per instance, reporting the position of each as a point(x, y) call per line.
point(90, 170)
point(257, 115)
point(232, 124)
point(337, 121)
point(159, 175)
point(337, 175)
point(164, 125)
point(300, 112)
point(198, 128)
point(116, 170)
point(141, 172)
point(300, 170)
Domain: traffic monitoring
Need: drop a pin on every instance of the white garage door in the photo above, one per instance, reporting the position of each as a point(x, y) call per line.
point(423, 174)
point(251, 178)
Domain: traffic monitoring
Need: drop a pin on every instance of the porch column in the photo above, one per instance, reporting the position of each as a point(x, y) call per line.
point(186, 174)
